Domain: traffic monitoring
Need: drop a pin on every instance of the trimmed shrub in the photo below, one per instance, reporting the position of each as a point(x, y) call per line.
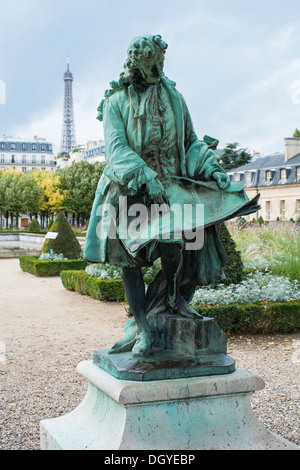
point(50, 225)
point(66, 241)
point(99, 289)
point(234, 270)
point(34, 227)
point(265, 317)
point(33, 265)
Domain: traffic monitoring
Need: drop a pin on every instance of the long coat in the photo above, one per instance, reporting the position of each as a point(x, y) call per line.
point(126, 172)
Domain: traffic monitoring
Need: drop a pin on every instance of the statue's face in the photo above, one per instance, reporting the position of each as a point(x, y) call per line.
point(148, 58)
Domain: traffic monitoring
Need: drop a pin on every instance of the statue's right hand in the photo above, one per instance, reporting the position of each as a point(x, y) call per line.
point(156, 192)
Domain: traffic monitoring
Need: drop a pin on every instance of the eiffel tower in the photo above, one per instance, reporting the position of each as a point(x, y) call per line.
point(68, 138)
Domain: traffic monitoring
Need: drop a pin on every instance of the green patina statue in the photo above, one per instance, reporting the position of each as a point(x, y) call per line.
point(155, 163)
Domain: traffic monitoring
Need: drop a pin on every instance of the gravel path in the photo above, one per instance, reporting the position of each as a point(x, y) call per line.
point(47, 330)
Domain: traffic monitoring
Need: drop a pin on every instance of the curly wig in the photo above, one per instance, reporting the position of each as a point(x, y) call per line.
point(141, 50)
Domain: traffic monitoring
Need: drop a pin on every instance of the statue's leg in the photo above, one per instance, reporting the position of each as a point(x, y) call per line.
point(171, 263)
point(135, 292)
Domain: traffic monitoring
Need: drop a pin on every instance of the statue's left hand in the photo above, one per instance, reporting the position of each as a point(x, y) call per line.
point(222, 179)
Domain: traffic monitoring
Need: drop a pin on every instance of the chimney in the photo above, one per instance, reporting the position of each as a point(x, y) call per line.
point(292, 147)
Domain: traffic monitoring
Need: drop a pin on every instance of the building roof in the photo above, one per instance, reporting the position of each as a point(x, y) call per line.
point(268, 162)
point(24, 146)
point(274, 163)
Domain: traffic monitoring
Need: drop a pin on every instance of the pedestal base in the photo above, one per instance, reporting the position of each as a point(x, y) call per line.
point(162, 365)
point(197, 413)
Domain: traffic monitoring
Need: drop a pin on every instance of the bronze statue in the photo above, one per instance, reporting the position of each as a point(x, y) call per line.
point(154, 156)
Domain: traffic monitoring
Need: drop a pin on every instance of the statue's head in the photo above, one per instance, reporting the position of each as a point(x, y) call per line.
point(145, 63)
point(145, 59)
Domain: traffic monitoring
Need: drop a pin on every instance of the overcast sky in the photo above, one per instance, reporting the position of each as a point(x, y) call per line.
point(236, 62)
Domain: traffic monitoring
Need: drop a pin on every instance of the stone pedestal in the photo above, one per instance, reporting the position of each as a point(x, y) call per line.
point(195, 413)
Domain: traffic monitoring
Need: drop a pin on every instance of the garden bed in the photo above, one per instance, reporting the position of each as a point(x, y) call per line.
point(258, 317)
point(33, 265)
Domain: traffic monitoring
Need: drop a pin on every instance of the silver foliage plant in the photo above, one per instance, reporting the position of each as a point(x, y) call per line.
point(52, 256)
point(258, 287)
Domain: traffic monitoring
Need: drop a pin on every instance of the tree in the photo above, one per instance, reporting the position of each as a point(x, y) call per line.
point(53, 197)
point(296, 134)
point(79, 183)
point(33, 195)
point(232, 157)
point(12, 198)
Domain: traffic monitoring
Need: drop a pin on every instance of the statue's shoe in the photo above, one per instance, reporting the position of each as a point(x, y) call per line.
point(142, 345)
point(127, 342)
point(182, 308)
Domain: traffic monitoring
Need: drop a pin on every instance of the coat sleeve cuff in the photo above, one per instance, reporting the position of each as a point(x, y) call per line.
point(140, 177)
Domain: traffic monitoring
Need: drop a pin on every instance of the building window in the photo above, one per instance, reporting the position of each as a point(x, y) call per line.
point(43, 160)
point(282, 210)
point(268, 210)
point(283, 176)
point(23, 146)
point(33, 159)
point(298, 174)
point(43, 147)
point(34, 147)
point(43, 169)
point(2, 159)
point(50, 147)
point(298, 208)
point(248, 178)
point(2, 146)
point(23, 158)
point(12, 159)
point(12, 146)
point(24, 169)
point(268, 177)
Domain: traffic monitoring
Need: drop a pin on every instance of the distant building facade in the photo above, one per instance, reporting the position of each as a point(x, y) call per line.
point(23, 155)
point(93, 152)
point(277, 179)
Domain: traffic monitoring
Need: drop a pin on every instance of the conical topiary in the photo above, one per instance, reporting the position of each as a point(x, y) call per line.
point(66, 241)
point(51, 222)
point(234, 270)
point(34, 227)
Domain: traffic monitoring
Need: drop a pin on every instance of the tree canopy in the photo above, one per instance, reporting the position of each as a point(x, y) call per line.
point(46, 193)
point(232, 157)
point(296, 134)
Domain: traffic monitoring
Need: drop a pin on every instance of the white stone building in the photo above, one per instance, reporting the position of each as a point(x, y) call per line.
point(95, 151)
point(277, 179)
point(24, 155)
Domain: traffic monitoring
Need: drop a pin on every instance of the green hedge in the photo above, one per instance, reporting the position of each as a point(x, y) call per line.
point(265, 317)
point(32, 265)
point(100, 289)
point(271, 317)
